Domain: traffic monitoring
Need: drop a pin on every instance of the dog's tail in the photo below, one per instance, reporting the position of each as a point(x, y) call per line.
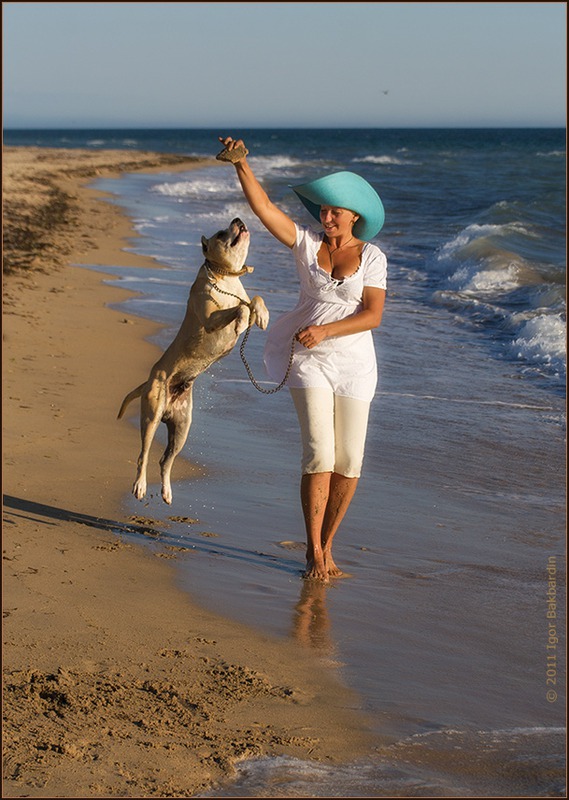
point(130, 397)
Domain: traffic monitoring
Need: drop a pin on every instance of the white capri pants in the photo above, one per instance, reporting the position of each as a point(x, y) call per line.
point(333, 430)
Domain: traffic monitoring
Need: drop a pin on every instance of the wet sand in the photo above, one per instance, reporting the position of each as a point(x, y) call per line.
point(115, 683)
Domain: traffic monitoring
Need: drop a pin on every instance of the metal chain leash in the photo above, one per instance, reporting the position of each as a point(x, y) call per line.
point(214, 285)
point(248, 368)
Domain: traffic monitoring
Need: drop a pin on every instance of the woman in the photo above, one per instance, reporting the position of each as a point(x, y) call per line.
point(334, 373)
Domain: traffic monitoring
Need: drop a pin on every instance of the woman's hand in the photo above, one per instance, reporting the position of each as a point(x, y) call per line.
point(311, 336)
point(365, 320)
point(274, 220)
point(235, 150)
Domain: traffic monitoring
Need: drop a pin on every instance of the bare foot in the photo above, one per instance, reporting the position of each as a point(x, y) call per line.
point(331, 568)
point(315, 572)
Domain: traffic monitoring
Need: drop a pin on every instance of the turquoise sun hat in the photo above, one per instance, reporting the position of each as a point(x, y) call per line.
point(345, 190)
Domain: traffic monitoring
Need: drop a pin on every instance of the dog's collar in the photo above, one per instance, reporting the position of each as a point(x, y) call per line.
point(219, 270)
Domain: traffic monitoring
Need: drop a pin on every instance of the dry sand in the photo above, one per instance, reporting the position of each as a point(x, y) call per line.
point(115, 683)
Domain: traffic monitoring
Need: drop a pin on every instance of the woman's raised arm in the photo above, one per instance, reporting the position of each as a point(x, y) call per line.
point(275, 221)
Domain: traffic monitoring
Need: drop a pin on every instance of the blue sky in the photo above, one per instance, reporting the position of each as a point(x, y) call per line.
point(325, 64)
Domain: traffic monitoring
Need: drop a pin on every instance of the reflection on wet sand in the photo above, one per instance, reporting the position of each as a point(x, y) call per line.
point(311, 623)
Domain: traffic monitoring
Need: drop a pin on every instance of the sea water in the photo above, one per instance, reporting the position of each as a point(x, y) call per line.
point(454, 544)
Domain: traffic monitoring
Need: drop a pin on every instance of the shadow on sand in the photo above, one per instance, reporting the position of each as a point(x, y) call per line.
point(42, 513)
point(32, 510)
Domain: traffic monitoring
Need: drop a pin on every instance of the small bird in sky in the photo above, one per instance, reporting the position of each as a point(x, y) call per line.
point(385, 91)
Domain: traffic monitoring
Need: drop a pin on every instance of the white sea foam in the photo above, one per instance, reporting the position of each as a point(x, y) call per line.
point(538, 730)
point(215, 216)
point(199, 188)
point(389, 160)
point(154, 221)
point(486, 281)
point(160, 281)
point(475, 232)
point(169, 302)
point(286, 776)
point(487, 276)
point(219, 216)
point(468, 401)
point(143, 225)
point(480, 260)
point(542, 341)
point(265, 165)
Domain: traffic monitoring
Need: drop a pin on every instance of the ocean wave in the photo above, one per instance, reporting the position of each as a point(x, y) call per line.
point(265, 165)
point(486, 273)
point(150, 280)
point(217, 217)
point(535, 336)
point(142, 226)
point(199, 187)
point(145, 302)
point(416, 766)
point(541, 341)
point(487, 281)
point(477, 236)
point(493, 258)
point(538, 345)
point(383, 160)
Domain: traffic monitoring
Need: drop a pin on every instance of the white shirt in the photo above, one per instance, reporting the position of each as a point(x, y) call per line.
point(346, 364)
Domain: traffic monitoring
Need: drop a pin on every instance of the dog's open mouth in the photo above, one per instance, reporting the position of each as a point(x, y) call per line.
point(241, 230)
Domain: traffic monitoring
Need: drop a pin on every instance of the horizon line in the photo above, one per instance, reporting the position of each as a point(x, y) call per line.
point(284, 127)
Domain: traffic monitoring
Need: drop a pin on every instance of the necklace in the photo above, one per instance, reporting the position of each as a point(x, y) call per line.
point(340, 280)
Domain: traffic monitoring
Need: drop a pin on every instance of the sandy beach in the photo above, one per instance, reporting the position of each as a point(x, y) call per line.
point(115, 683)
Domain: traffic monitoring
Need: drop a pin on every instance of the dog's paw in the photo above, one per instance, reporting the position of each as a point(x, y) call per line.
point(167, 494)
point(242, 319)
point(263, 321)
point(261, 312)
point(139, 489)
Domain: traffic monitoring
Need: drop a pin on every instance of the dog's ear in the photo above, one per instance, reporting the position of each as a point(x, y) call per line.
point(204, 245)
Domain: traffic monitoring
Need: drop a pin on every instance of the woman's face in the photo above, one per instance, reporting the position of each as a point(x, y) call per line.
point(337, 221)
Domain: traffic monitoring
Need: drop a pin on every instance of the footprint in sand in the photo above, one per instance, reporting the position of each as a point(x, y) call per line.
point(139, 520)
